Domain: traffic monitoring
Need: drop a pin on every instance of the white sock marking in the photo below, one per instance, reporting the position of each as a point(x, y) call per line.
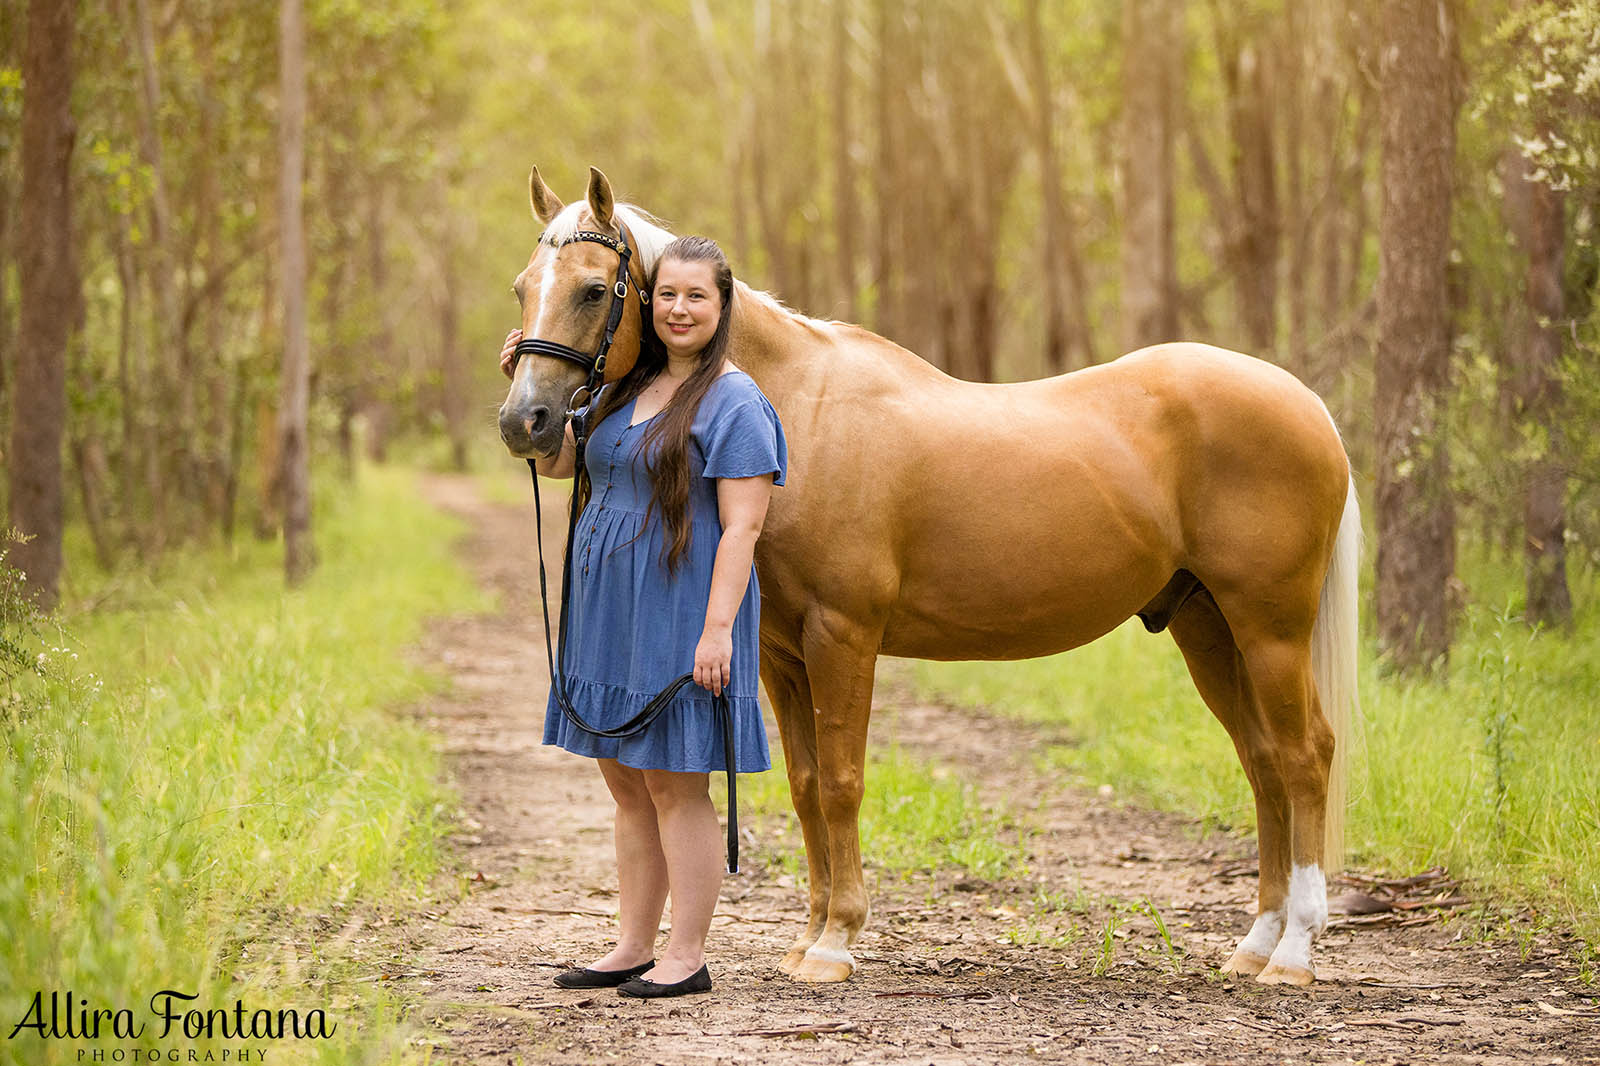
point(1308, 914)
point(1264, 934)
point(1308, 899)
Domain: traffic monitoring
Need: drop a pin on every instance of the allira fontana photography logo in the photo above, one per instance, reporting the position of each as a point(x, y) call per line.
point(171, 1015)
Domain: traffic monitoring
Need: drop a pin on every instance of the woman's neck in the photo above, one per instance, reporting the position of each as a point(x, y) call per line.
point(680, 367)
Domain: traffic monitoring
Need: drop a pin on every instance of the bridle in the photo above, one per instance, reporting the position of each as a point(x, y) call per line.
point(595, 364)
point(580, 416)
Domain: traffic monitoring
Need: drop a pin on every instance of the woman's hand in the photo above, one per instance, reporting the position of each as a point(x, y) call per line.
point(713, 658)
point(508, 353)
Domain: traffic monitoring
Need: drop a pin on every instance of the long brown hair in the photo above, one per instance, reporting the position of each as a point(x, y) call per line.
point(666, 441)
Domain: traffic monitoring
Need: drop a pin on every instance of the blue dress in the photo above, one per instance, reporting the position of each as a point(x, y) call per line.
point(632, 627)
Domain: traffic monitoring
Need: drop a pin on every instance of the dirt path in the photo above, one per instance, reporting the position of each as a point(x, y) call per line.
point(950, 971)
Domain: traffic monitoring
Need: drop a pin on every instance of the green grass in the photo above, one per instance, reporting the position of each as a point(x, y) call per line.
point(1132, 717)
point(916, 817)
point(233, 784)
point(1493, 771)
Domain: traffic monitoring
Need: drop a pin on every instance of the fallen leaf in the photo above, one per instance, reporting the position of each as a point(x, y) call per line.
point(1561, 1012)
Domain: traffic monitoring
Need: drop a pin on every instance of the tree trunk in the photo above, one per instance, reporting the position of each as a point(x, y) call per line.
point(50, 295)
point(844, 193)
point(268, 516)
point(886, 182)
point(375, 403)
point(338, 381)
point(767, 192)
point(173, 389)
point(127, 470)
point(89, 459)
point(1255, 242)
point(1295, 71)
point(1152, 62)
point(1538, 216)
point(1054, 225)
point(1416, 519)
point(799, 189)
point(217, 374)
point(298, 552)
point(5, 288)
point(455, 387)
point(237, 402)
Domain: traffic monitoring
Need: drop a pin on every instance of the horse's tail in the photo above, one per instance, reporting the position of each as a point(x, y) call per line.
point(1334, 664)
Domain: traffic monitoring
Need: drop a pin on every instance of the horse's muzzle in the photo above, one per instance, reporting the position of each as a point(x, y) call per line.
point(526, 431)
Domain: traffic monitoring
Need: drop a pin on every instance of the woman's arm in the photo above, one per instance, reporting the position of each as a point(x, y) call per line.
point(742, 506)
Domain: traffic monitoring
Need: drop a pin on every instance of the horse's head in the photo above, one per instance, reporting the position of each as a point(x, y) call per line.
point(567, 292)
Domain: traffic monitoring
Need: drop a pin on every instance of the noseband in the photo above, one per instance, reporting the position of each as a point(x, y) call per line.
point(580, 415)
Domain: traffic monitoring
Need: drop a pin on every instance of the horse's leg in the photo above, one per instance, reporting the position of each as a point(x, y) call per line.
point(841, 657)
point(1301, 744)
point(1218, 670)
point(790, 692)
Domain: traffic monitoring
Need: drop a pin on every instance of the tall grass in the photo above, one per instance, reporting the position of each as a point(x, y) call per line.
point(1492, 769)
point(208, 812)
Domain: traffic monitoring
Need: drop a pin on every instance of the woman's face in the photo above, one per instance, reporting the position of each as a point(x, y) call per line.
point(686, 305)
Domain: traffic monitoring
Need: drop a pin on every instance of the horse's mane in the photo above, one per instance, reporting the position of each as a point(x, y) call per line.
point(762, 296)
point(650, 238)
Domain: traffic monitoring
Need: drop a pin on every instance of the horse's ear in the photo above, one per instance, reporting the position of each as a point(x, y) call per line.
point(601, 202)
point(546, 205)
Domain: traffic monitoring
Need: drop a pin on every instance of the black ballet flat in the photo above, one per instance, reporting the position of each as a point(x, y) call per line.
point(583, 977)
point(694, 984)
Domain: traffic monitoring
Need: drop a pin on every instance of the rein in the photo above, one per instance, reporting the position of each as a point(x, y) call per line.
point(596, 364)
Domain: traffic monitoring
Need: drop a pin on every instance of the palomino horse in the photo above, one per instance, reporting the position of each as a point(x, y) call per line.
point(1205, 491)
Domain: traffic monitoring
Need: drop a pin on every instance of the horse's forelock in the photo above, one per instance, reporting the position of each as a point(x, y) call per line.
point(649, 237)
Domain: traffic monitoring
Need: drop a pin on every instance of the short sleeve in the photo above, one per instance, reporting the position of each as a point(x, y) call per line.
point(746, 440)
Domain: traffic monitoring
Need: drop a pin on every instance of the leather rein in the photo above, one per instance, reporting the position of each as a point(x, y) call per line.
point(579, 415)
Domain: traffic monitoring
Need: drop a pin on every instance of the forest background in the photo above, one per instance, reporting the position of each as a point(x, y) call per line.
point(1395, 201)
point(249, 251)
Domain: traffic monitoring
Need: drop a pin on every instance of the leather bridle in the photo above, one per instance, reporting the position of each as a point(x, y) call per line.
point(595, 364)
point(579, 415)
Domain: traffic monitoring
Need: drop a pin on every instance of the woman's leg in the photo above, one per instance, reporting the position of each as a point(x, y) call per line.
point(641, 869)
point(693, 844)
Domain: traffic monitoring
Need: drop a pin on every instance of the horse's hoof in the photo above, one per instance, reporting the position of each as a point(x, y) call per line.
point(1245, 962)
point(1277, 974)
point(791, 962)
point(824, 971)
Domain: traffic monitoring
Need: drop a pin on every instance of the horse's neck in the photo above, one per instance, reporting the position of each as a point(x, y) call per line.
point(770, 342)
point(789, 353)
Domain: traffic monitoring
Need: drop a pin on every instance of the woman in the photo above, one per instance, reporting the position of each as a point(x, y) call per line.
point(682, 458)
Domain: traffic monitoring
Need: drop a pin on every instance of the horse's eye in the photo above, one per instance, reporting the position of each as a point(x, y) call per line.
point(593, 293)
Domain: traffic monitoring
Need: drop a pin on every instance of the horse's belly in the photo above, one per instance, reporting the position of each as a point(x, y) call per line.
point(917, 639)
point(989, 613)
